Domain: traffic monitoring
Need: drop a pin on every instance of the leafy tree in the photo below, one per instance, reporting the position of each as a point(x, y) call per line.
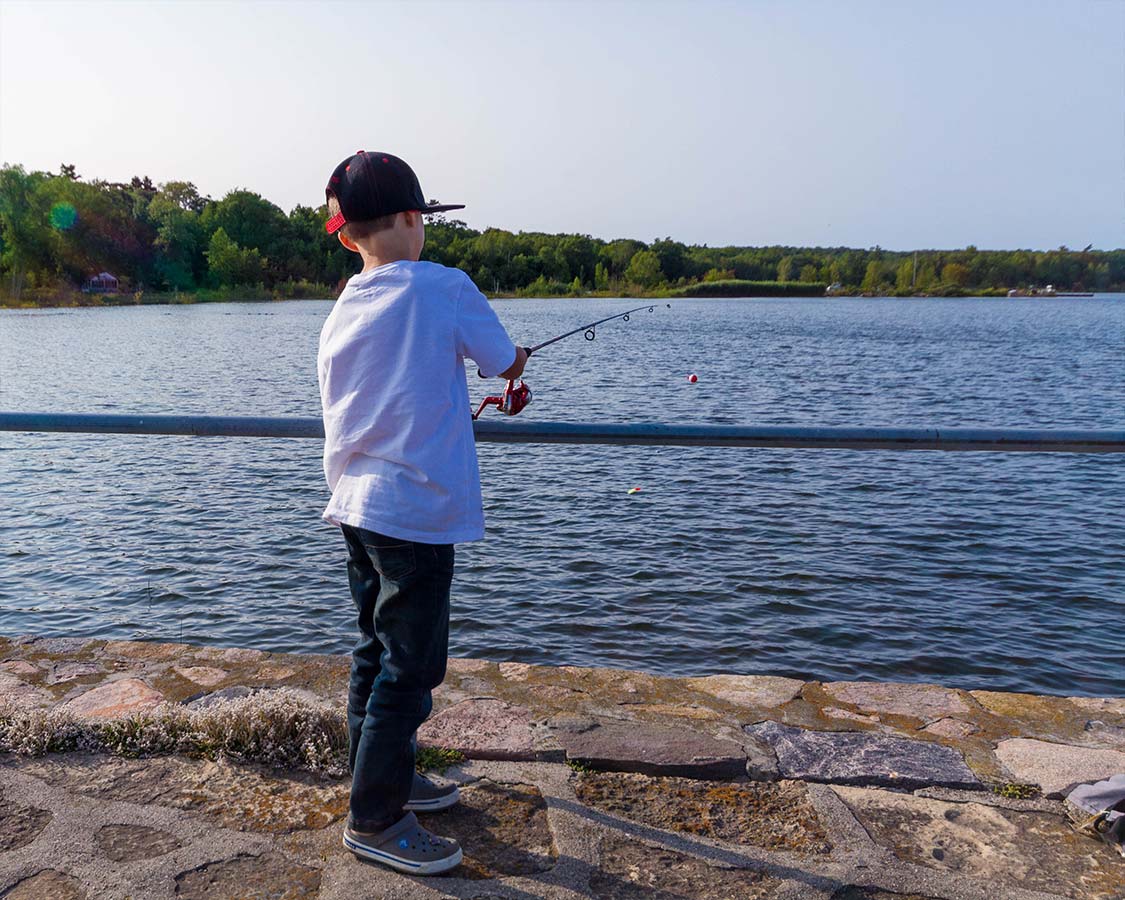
point(644, 269)
point(673, 263)
point(24, 211)
point(601, 277)
point(230, 264)
point(956, 274)
point(618, 254)
point(904, 276)
point(174, 211)
point(873, 278)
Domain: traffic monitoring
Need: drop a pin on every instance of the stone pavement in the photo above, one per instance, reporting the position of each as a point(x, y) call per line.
point(579, 783)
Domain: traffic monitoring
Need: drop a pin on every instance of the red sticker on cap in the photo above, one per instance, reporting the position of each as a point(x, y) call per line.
point(335, 223)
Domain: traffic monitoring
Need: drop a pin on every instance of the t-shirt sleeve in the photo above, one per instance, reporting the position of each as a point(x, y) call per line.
point(480, 336)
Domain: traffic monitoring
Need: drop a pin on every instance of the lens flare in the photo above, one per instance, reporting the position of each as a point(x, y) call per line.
point(63, 216)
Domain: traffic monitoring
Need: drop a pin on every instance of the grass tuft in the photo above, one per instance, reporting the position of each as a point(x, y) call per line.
point(1014, 791)
point(437, 759)
point(278, 728)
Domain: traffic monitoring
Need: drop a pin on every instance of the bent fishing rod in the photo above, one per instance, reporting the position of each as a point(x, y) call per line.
point(514, 399)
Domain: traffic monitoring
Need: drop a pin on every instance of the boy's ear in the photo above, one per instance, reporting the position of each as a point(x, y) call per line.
point(347, 242)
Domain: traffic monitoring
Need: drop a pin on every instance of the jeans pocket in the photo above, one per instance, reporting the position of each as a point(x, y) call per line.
point(393, 561)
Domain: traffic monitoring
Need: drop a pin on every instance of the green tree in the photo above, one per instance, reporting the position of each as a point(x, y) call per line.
point(904, 276)
point(672, 260)
point(249, 220)
point(809, 274)
point(601, 277)
point(174, 210)
point(25, 248)
point(956, 274)
point(873, 278)
point(618, 254)
point(785, 269)
point(644, 269)
point(230, 264)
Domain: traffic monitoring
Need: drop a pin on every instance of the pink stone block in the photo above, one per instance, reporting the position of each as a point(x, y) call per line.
point(481, 729)
point(207, 676)
point(115, 699)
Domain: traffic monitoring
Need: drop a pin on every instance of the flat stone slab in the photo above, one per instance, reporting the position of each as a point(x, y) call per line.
point(68, 671)
point(20, 824)
point(918, 701)
point(243, 797)
point(863, 758)
point(851, 892)
point(115, 699)
point(208, 676)
point(17, 692)
point(1055, 719)
point(20, 667)
point(651, 749)
point(125, 843)
point(773, 816)
point(47, 885)
point(1057, 768)
point(1002, 847)
point(954, 729)
point(482, 728)
point(633, 871)
point(759, 691)
point(267, 877)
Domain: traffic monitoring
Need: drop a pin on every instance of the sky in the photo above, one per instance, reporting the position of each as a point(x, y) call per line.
point(902, 124)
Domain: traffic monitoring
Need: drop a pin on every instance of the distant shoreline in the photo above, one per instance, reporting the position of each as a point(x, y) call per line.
point(75, 299)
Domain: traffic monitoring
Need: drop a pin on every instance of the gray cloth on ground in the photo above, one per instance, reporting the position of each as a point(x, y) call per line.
point(1104, 803)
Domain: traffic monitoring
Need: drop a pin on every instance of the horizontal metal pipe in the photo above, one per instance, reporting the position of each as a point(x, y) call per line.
point(512, 432)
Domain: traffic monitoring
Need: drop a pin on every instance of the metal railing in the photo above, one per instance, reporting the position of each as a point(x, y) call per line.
point(513, 432)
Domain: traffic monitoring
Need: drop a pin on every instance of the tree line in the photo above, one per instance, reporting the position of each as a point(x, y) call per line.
point(57, 230)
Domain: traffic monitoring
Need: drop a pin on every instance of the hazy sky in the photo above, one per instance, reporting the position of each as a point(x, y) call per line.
point(904, 124)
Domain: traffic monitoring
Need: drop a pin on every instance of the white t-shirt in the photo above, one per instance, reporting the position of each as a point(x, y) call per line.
point(399, 453)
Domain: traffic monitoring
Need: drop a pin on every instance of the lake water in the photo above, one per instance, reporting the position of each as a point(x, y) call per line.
point(970, 569)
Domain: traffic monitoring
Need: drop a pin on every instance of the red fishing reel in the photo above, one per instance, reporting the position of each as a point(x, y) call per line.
point(511, 402)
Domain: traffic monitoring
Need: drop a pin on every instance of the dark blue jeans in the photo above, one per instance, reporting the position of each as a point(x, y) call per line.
point(401, 594)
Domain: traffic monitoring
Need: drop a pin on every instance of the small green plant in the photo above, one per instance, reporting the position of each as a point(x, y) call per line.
point(579, 766)
point(1014, 791)
point(437, 759)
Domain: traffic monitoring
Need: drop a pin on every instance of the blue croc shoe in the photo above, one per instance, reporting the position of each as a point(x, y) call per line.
point(425, 796)
point(405, 846)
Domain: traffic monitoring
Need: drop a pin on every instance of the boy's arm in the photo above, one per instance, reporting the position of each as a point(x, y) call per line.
point(516, 369)
point(482, 338)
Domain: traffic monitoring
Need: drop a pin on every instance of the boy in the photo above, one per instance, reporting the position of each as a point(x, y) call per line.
point(401, 463)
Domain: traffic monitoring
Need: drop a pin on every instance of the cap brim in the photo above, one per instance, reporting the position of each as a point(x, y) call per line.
point(440, 207)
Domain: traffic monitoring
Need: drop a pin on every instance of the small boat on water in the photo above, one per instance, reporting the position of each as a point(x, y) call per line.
point(1048, 291)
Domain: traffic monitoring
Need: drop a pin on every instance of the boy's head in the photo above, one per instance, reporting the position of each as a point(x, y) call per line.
point(375, 206)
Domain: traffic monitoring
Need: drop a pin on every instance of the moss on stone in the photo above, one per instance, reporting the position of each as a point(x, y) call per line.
point(437, 759)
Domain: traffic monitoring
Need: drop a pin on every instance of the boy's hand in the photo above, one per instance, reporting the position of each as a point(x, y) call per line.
point(516, 369)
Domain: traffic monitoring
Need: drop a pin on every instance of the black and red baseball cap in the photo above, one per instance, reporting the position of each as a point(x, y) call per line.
point(370, 184)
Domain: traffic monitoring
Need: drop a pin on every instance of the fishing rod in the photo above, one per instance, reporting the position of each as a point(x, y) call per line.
point(590, 334)
point(514, 399)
